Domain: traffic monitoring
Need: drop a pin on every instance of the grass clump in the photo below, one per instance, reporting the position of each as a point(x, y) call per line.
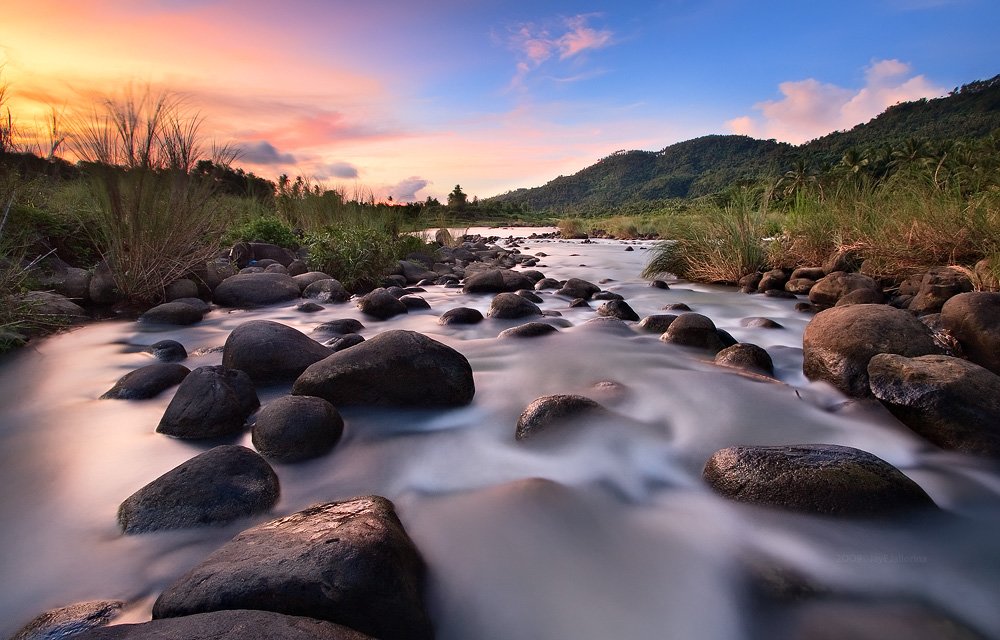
point(263, 228)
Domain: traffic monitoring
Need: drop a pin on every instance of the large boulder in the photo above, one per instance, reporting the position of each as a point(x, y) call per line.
point(72, 282)
point(147, 382)
point(657, 323)
point(211, 402)
point(953, 403)
point(329, 290)
point(295, 428)
point(381, 304)
point(215, 487)
point(552, 411)
point(974, 320)
point(270, 351)
point(618, 309)
point(181, 288)
point(54, 307)
point(415, 272)
point(829, 289)
point(694, 330)
point(461, 315)
point(747, 357)
point(496, 281)
point(511, 306)
point(309, 277)
point(348, 562)
point(251, 290)
point(838, 343)
point(936, 287)
point(173, 313)
point(241, 624)
point(395, 368)
point(814, 478)
point(578, 288)
point(70, 621)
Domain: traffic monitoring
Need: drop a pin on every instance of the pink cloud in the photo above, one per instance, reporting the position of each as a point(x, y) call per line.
point(537, 45)
point(810, 108)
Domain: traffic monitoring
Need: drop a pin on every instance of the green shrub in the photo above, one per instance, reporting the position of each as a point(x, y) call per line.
point(356, 255)
point(264, 228)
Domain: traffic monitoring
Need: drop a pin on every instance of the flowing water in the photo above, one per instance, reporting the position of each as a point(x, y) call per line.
point(603, 530)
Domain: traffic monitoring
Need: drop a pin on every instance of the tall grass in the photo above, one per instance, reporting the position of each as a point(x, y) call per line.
point(152, 220)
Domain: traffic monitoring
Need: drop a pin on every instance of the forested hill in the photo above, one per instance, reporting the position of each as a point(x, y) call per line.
point(709, 164)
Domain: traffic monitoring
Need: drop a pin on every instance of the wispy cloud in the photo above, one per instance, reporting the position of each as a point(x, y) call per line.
point(263, 152)
point(810, 108)
point(535, 45)
point(406, 190)
point(338, 169)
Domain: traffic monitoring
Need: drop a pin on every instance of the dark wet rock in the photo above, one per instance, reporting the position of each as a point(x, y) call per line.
point(294, 428)
point(799, 286)
point(607, 295)
point(395, 368)
point(381, 304)
point(396, 291)
point(270, 351)
point(58, 308)
point(838, 343)
point(773, 279)
point(694, 330)
point(341, 342)
point(240, 624)
point(676, 306)
point(210, 402)
point(309, 307)
point(297, 267)
point(806, 307)
point(461, 315)
point(936, 287)
point(528, 330)
point(329, 290)
point(147, 382)
point(547, 412)
point(72, 282)
point(629, 248)
point(509, 306)
point(340, 326)
point(861, 296)
point(69, 621)
point(780, 293)
point(547, 283)
point(414, 303)
point(309, 277)
point(348, 562)
point(814, 478)
point(197, 303)
point(828, 619)
point(845, 260)
point(659, 284)
point(496, 281)
point(415, 272)
point(974, 320)
point(251, 290)
point(251, 270)
point(657, 323)
point(579, 303)
point(953, 403)
point(167, 351)
point(221, 485)
point(172, 313)
point(216, 271)
point(245, 253)
point(607, 324)
point(750, 282)
point(182, 288)
point(746, 356)
point(760, 323)
point(831, 288)
point(618, 309)
point(529, 295)
point(808, 273)
point(578, 288)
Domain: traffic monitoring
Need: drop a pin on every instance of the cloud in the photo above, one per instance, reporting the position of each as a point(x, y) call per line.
point(336, 170)
point(406, 190)
point(535, 45)
point(810, 108)
point(263, 152)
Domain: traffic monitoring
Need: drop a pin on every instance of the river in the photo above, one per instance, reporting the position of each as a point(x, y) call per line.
point(607, 531)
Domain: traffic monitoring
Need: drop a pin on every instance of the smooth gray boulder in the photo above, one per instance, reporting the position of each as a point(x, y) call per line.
point(251, 290)
point(461, 315)
point(210, 402)
point(974, 320)
point(814, 478)
point(295, 428)
point(838, 343)
point(221, 485)
point(394, 368)
point(348, 562)
point(239, 624)
point(270, 351)
point(548, 412)
point(510, 306)
point(147, 382)
point(953, 403)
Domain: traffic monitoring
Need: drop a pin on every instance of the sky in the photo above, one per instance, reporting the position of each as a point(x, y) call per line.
point(407, 99)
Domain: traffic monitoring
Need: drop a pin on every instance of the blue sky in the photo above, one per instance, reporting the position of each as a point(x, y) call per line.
point(408, 99)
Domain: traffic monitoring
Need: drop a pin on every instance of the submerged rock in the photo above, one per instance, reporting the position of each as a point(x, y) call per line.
point(147, 382)
point(240, 624)
point(270, 351)
point(618, 309)
point(747, 357)
point(167, 351)
point(381, 304)
point(694, 330)
point(215, 487)
point(461, 315)
point(210, 402)
point(512, 306)
point(528, 330)
point(547, 412)
point(348, 562)
point(173, 313)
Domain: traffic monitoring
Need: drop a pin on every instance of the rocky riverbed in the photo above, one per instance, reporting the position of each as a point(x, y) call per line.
point(540, 446)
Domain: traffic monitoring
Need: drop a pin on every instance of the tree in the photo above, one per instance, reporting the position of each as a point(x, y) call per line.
point(457, 198)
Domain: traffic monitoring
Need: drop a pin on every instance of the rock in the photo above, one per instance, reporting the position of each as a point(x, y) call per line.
point(657, 323)
point(496, 281)
point(341, 342)
point(103, 289)
point(310, 277)
point(618, 309)
point(71, 282)
point(814, 478)
point(461, 315)
point(528, 330)
point(182, 288)
point(197, 303)
point(607, 325)
point(547, 412)
point(245, 252)
point(829, 289)
point(218, 270)
point(676, 306)
point(694, 330)
point(55, 307)
point(415, 272)
point(799, 286)
point(294, 428)
point(828, 619)
point(577, 288)
point(773, 279)
point(414, 303)
point(809, 273)
point(760, 323)
point(547, 283)
point(167, 351)
point(750, 282)
point(395, 368)
point(529, 295)
point(147, 382)
point(974, 320)
point(748, 357)
point(936, 287)
point(838, 343)
point(221, 485)
point(297, 267)
point(861, 296)
point(270, 351)
point(846, 260)
point(251, 290)
point(240, 624)
point(579, 303)
point(780, 293)
point(953, 403)
point(986, 272)
point(308, 307)
point(659, 284)
point(348, 562)
point(607, 295)
point(273, 267)
point(340, 326)
point(381, 305)
point(172, 313)
point(209, 403)
point(512, 306)
point(69, 621)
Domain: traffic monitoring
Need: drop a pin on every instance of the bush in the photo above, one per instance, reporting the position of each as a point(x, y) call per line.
point(356, 255)
point(263, 228)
